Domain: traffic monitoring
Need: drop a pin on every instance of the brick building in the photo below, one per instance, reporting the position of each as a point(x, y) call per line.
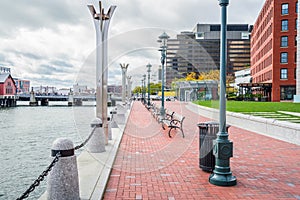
point(273, 48)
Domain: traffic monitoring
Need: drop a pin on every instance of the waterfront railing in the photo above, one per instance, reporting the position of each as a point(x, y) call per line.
point(61, 148)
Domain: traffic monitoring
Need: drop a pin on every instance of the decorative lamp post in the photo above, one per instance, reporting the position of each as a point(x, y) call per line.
point(101, 22)
point(124, 71)
point(142, 90)
point(223, 148)
point(149, 70)
point(163, 38)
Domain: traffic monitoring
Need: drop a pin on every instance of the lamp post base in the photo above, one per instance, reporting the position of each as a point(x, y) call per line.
point(222, 179)
point(223, 151)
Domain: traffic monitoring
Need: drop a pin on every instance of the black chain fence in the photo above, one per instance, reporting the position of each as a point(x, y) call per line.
point(86, 141)
point(49, 168)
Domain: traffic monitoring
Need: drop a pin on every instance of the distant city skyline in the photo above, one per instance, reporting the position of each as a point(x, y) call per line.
point(53, 42)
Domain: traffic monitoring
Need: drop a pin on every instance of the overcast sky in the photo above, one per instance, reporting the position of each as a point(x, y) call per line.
point(53, 42)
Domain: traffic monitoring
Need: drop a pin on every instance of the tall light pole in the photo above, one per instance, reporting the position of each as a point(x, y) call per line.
point(144, 90)
point(101, 22)
point(149, 70)
point(223, 148)
point(163, 38)
point(124, 71)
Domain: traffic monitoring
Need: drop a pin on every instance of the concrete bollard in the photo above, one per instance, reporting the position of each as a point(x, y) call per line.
point(98, 140)
point(120, 116)
point(63, 178)
point(121, 109)
point(113, 123)
point(109, 128)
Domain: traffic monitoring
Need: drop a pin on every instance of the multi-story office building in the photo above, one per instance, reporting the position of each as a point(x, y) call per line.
point(273, 48)
point(199, 50)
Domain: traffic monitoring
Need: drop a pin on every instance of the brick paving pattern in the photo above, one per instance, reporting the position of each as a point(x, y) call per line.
point(150, 165)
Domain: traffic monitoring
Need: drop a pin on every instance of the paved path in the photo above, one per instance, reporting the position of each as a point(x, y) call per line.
point(150, 165)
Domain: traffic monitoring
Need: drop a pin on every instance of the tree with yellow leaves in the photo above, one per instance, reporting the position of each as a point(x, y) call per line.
point(211, 75)
point(192, 76)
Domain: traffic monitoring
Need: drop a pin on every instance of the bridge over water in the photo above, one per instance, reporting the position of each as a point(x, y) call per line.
point(72, 99)
point(26, 97)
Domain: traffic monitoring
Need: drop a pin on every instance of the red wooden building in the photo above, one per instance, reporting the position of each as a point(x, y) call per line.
point(7, 91)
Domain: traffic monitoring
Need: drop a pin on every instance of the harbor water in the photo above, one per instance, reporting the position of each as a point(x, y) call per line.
point(27, 134)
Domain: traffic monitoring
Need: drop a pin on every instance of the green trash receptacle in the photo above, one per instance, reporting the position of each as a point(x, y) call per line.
point(207, 134)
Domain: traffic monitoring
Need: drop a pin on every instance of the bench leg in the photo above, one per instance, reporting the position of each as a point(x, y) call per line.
point(170, 132)
point(182, 133)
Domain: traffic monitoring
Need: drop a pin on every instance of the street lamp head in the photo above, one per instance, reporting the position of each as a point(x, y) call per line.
point(149, 67)
point(223, 2)
point(101, 16)
point(163, 38)
point(124, 66)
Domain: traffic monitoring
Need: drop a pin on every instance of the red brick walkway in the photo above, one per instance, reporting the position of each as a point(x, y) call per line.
point(150, 165)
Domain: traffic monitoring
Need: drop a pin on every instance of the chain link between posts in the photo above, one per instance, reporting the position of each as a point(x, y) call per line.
point(86, 141)
point(40, 178)
point(49, 168)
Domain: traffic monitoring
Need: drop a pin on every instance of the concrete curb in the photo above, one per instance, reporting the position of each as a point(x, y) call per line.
point(282, 130)
point(94, 174)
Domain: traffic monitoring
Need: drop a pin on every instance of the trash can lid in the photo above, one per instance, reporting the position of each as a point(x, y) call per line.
point(202, 124)
point(214, 123)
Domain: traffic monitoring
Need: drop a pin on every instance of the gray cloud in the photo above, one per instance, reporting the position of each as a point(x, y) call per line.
point(26, 54)
point(54, 43)
point(61, 63)
point(2, 57)
point(51, 69)
point(34, 14)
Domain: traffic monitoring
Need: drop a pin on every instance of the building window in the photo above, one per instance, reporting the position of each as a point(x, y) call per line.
point(285, 9)
point(297, 7)
point(296, 24)
point(287, 92)
point(295, 73)
point(284, 41)
point(283, 73)
point(284, 57)
point(284, 25)
point(296, 40)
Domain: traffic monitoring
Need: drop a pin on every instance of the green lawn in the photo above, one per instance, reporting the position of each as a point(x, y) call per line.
point(252, 106)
